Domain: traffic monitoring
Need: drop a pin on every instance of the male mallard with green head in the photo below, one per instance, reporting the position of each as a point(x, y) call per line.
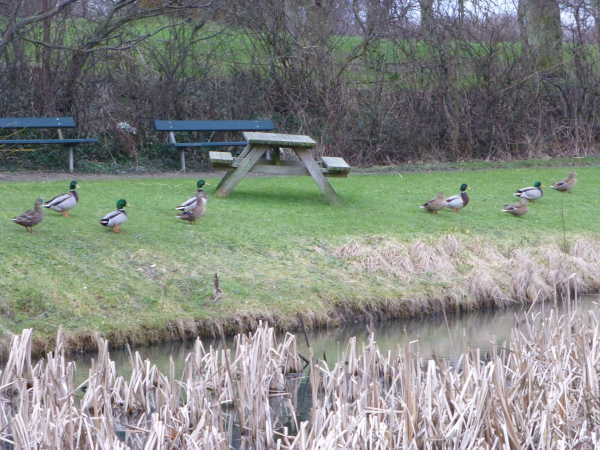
point(435, 204)
point(190, 203)
point(197, 211)
point(457, 202)
point(63, 203)
point(530, 193)
point(517, 209)
point(114, 219)
point(567, 184)
point(31, 217)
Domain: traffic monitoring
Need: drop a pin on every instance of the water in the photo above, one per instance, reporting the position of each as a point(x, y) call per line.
point(443, 336)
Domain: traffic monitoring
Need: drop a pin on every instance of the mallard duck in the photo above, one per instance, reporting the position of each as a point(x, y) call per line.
point(31, 217)
point(530, 193)
point(459, 201)
point(114, 219)
point(63, 203)
point(435, 204)
point(567, 184)
point(517, 209)
point(198, 211)
point(190, 203)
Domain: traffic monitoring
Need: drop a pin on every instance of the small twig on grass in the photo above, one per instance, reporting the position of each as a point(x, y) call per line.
point(217, 291)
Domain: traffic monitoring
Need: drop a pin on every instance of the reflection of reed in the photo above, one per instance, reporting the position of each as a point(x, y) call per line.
point(539, 390)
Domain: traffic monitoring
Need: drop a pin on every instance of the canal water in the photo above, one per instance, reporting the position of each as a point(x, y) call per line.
point(445, 336)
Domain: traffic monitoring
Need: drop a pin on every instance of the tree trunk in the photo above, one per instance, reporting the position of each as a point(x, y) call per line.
point(461, 12)
point(596, 14)
point(522, 21)
point(544, 33)
point(46, 97)
point(426, 7)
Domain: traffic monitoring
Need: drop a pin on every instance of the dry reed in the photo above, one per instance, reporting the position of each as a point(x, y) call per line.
point(473, 273)
point(540, 390)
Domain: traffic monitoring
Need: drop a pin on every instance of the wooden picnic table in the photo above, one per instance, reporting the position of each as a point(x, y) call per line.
point(254, 159)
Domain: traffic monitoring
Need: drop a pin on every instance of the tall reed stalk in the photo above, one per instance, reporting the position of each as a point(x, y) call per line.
point(539, 390)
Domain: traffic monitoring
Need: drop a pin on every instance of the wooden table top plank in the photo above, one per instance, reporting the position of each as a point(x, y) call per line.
point(279, 140)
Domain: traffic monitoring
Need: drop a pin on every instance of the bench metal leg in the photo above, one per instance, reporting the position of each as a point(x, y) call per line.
point(315, 172)
point(231, 179)
point(71, 165)
point(182, 158)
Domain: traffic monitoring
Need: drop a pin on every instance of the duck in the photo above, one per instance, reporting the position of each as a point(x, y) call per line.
point(197, 211)
point(31, 217)
point(435, 204)
point(190, 203)
point(517, 209)
point(459, 201)
point(567, 184)
point(63, 203)
point(530, 193)
point(115, 218)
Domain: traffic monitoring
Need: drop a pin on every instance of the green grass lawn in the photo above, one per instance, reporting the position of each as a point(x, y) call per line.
point(271, 242)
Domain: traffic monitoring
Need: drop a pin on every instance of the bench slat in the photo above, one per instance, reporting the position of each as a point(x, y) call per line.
point(221, 158)
point(47, 141)
point(209, 144)
point(37, 122)
point(335, 163)
point(280, 140)
point(214, 125)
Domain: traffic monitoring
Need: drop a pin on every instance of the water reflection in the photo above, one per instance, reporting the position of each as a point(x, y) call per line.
point(439, 335)
point(443, 336)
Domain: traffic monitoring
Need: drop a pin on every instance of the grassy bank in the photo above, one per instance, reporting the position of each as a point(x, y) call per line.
point(280, 250)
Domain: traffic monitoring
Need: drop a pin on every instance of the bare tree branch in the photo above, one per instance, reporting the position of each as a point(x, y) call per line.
point(15, 26)
point(127, 45)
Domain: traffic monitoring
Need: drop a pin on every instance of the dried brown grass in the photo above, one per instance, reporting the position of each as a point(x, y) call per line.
point(471, 273)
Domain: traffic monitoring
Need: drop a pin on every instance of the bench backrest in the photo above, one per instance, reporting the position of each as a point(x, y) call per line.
point(214, 125)
point(37, 122)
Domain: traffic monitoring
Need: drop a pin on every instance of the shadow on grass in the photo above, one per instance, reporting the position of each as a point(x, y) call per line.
point(283, 197)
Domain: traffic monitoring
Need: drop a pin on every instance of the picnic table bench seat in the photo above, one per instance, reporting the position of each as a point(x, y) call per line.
point(209, 126)
point(331, 166)
point(57, 123)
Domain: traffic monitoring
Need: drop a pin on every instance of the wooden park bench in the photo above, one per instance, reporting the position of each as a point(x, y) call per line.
point(212, 127)
point(25, 123)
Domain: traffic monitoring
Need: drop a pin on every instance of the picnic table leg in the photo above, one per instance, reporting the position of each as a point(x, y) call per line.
point(244, 152)
point(315, 172)
point(71, 165)
point(241, 157)
point(232, 178)
point(225, 177)
point(182, 159)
